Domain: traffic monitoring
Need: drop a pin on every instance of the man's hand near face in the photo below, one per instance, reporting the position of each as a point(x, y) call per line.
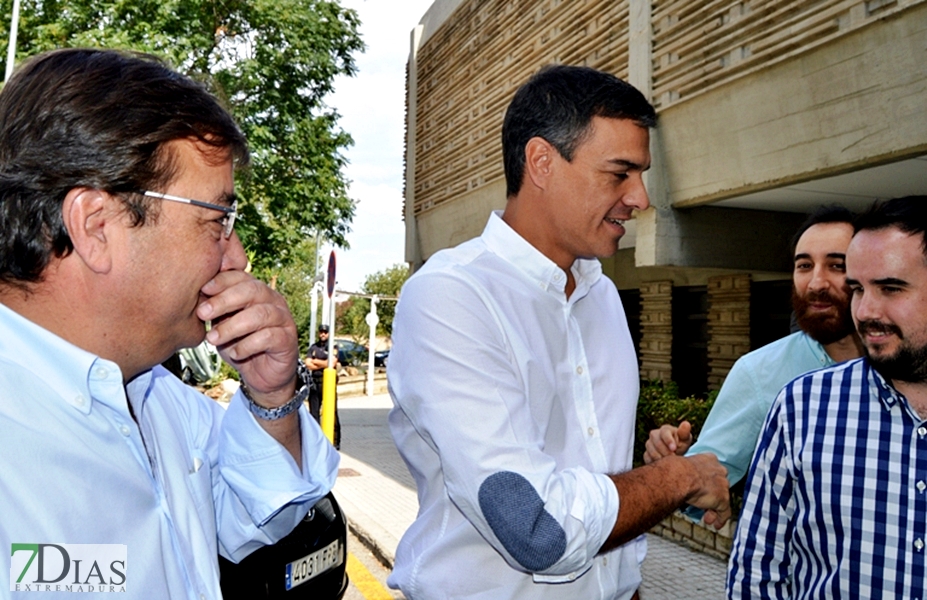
point(254, 331)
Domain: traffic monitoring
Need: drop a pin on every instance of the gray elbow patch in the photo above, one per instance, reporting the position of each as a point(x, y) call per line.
point(516, 514)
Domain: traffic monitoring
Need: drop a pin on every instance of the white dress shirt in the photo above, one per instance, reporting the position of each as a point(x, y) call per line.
point(187, 481)
point(512, 402)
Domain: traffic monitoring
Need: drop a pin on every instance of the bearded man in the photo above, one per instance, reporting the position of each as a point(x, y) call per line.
point(821, 302)
point(835, 499)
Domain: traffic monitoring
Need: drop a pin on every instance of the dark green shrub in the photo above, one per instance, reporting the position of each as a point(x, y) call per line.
point(660, 403)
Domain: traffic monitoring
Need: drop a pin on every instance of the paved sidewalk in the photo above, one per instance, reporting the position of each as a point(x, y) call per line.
point(377, 494)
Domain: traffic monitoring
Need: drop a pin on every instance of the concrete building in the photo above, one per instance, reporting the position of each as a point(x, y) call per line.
point(767, 108)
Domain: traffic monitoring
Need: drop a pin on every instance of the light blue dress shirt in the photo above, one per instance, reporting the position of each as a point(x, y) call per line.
point(733, 426)
point(187, 482)
point(512, 403)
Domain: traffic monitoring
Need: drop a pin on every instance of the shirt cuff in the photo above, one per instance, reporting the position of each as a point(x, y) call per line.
point(263, 474)
point(595, 506)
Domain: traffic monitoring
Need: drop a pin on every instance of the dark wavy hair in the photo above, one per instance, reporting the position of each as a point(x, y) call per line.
point(98, 119)
point(558, 104)
point(909, 214)
point(826, 213)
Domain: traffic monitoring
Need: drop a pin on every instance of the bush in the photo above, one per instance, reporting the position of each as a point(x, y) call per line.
point(659, 404)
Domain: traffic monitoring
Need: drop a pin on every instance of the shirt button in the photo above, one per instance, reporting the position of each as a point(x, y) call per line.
point(591, 432)
point(579, 370)
point(124, 430)
point(100, 372)
point(919, 544)
point(921, 485)
point(922, 431)
point(79, 400)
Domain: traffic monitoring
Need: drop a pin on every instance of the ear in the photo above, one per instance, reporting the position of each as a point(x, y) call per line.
point(88, 217)
point(539, 161)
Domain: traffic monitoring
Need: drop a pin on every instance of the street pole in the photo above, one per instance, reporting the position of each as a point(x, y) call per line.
point(11, 49)
point(372, 320)
point(329, 375)
point(313, 310)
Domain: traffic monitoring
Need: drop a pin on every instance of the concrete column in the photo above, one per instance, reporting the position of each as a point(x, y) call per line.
point(656, 330)
point(728, 324)
point(640, 47)
point(413, 251)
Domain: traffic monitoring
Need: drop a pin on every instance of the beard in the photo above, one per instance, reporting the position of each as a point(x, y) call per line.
point(824, 328)
point(908, 363)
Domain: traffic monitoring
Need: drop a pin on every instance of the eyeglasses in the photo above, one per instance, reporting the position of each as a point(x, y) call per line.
point(231, 212)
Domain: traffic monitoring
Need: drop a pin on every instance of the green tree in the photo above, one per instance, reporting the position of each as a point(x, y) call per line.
point(387, 284)
point(272, 62)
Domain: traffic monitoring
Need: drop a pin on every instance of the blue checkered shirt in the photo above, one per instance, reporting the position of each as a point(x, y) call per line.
point(835, 503)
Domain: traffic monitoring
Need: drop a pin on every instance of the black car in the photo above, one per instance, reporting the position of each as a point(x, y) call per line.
point(350, 353)
point(309, 563)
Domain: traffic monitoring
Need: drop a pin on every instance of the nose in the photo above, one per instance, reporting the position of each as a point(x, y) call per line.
point(818, 279)
point(865, 307)
point(636, 196)
point(234, 257)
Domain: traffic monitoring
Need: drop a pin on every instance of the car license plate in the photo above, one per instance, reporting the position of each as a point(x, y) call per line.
point(300, 571)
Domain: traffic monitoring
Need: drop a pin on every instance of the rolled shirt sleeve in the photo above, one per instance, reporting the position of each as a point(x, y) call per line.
point(266, 481)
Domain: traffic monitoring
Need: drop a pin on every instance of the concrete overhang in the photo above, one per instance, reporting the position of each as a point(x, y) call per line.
point(856, 190)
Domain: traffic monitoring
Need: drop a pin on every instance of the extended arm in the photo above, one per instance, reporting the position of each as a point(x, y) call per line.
point(731, 430)
point(650, 493)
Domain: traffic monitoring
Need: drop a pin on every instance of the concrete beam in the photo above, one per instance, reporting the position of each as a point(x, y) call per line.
point(855, 102)
point(716, 238)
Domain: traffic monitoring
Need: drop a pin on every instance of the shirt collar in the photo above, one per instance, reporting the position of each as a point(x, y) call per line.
point(888, 395)
point(506, 243)
point(817, 349)
point(62, 366)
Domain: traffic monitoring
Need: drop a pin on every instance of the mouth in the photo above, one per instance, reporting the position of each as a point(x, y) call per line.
point(820, 306)
point(616, 222)
point(875, 333)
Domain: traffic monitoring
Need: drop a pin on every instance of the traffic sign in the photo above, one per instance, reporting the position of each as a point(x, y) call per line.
point(331, 274)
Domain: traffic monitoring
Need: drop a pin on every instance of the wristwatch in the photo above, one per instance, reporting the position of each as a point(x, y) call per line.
point(304, 384)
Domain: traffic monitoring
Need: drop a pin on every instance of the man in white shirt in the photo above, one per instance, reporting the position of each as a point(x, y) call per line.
point(117, 245)
point(514, 377)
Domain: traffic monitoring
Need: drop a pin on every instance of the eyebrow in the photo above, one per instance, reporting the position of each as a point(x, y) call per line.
point(837, 255)
point(627, 164)
point(892, 281)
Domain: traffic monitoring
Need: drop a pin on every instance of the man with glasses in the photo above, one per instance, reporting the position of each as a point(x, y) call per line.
point(117, 248)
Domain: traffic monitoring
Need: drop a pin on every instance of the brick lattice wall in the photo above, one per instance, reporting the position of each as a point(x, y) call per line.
point(656, 330)
point(469, 70)
point(697, 536)
point(728, 324)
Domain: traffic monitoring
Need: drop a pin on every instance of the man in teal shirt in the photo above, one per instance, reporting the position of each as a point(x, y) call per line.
point(821, 302)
